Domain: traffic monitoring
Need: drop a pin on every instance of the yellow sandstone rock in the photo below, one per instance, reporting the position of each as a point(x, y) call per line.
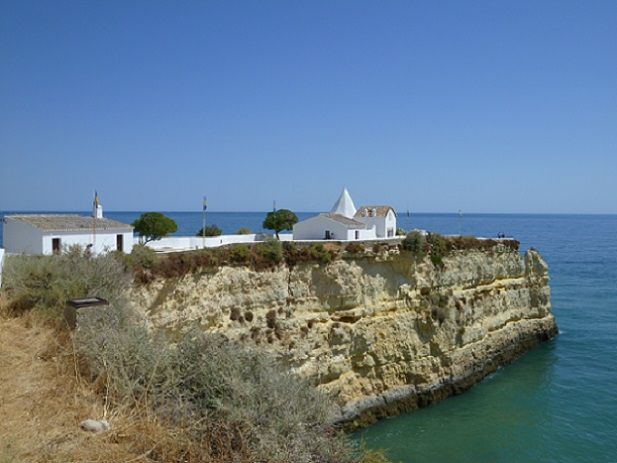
point(382, 334)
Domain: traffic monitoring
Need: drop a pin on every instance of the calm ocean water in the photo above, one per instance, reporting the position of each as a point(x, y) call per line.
point(557, 403)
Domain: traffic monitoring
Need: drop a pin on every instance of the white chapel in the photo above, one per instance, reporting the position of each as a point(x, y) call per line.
point(345, 223)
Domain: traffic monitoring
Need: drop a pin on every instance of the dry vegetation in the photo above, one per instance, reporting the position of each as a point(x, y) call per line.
point(43, 399)
point(203, 399)
point(146, 265)
point(437, 247)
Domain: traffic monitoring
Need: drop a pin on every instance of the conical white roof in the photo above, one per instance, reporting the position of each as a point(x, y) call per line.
point(344, 205)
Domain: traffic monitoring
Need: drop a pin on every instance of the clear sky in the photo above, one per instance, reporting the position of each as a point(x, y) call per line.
point(483, 106)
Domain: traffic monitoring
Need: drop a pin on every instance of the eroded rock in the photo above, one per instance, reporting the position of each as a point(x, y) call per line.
point(382, 335)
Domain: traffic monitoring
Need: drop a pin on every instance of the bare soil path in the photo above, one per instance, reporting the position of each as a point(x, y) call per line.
point(42, 403)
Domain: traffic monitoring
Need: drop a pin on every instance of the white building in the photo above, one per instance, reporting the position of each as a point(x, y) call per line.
point(345, 222)
point(49, 234)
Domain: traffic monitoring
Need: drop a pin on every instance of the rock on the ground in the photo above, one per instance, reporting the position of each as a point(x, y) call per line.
point(95, 426)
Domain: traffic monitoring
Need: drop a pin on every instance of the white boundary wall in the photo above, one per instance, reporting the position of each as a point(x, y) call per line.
point(190, 243)
point(187, 243)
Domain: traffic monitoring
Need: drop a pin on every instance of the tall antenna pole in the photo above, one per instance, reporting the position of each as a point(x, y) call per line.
point(460, 223)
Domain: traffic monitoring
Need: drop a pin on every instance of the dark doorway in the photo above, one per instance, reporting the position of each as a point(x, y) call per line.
point(56, 245)
point(327, 234)
point(120, 242)
point(357, 235)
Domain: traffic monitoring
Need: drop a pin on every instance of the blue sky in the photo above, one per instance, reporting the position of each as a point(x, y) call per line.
point(483, 106)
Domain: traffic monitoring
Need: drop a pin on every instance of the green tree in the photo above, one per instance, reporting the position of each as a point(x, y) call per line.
point(280, 220)
point(210, 230)
point(154, 226)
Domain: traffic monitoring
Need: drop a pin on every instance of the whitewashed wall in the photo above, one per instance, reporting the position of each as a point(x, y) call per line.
point(368, 234)
point(21, 238)
point(104, 242)
point(381, 224)
point(185, 243)
point(315, 229)
point(391, 222)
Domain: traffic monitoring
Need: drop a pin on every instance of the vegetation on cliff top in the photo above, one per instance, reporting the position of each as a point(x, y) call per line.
point(265, 255)
point(437, 247)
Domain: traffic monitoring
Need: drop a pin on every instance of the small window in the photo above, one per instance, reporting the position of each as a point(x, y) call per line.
point(56, 245)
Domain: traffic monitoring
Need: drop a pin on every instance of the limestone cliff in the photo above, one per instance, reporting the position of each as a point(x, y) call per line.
point(382, 333)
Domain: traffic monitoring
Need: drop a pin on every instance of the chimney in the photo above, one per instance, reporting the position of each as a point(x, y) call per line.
point(97, 208)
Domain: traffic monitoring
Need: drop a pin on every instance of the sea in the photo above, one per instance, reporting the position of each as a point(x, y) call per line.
point(556, 403)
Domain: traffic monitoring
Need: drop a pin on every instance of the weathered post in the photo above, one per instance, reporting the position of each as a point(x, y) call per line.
point(88, 312)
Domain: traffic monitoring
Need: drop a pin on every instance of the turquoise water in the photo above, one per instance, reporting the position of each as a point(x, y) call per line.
point(557, 403)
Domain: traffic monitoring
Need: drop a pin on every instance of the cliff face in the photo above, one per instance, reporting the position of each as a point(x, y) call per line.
point(382, 333)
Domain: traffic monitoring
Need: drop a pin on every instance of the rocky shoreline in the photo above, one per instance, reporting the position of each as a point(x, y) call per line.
point(408, 398)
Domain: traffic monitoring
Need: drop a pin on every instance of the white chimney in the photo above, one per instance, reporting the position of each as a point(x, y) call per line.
point(98, 211)
point(97, 208)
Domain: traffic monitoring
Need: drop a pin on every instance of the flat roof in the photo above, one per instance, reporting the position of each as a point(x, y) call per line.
point(58, 222)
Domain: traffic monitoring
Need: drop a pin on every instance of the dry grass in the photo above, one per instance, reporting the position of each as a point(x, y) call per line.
point(43, 400)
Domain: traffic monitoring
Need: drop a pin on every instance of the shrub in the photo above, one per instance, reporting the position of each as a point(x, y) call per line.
point(354, 248)
point(268, 253)
point(142, 256)
point(319, 253)
point(244, 231)
point(400, 232)
point(47, 282)
point(261, 411)
point(209, 230)
point(240, 254)
point(437, 248)
point(415, 242)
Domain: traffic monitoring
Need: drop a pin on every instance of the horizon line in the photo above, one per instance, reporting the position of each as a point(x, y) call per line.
point(400, 213)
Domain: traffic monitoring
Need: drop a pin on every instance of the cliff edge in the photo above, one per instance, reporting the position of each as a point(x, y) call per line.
point(382, 332)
